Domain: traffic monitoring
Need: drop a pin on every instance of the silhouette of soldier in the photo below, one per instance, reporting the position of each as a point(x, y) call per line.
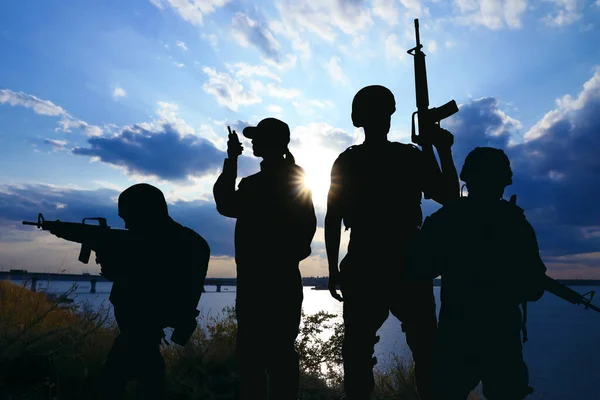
point(487, 255)
point(275, 225)
point(158, 275)
point(376, 190)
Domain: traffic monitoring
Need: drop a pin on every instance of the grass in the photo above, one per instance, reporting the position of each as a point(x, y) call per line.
point(49, 351)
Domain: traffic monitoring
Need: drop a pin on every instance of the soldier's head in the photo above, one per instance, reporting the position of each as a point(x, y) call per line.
point(142, 206)
point(270, 138)
point(372, 109)
point(486, 172)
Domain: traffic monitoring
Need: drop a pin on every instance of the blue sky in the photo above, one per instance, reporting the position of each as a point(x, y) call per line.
point(98, 95)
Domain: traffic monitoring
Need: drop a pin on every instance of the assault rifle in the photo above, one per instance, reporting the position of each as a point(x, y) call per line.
point(568, 294)
point(89, 235)
point(429, 118)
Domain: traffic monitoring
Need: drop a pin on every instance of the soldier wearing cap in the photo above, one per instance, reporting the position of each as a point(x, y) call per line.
point(376, 190)
point(487, 255)
point(275, 225)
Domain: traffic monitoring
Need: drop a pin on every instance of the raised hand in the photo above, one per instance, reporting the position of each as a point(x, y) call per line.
point(234, 147)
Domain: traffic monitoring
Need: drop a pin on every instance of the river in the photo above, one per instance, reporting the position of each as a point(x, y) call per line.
point(563, 351)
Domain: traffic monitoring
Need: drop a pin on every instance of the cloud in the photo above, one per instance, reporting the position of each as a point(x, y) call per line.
point(311, 107)
point(178, 65)
point(228, 91)
point(163, 154)
point(212, 39)
point(567, 12)
point(275, 90)
point(119, 92)
point(493, 14)
point(413, 7)
point(567, 107)
point(393, 50)
point(192, 11)
point(324, 135)
point(48, 108)
point(248, 31)
point(335, 71)
point(387, 11)
point(243, 70)
point(56, 144)
point(322, 18)
point(182, 45)
point(556, 168)
point(39, 106)
point(166, 148)
point(274, 109)
point(432, 46)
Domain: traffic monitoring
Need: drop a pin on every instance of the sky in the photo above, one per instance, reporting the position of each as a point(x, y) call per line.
point(96, 96)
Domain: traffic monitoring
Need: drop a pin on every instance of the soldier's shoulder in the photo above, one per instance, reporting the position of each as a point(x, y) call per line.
point(406, 148)
point(351, 151)
point(187, 234)
point(350, 155)
point(250, 179)
point(511, 209)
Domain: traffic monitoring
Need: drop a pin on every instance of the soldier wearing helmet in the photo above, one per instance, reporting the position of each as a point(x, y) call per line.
point(376, 191)
point(158, 272)
point(487, 255)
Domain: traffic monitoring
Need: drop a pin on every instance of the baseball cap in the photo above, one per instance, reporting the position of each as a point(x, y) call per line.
point(272, 129)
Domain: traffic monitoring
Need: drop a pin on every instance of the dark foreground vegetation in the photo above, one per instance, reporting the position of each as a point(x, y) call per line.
point(50, 350)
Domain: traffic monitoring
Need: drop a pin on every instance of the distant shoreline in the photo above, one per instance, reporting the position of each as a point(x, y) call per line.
point(319, 281)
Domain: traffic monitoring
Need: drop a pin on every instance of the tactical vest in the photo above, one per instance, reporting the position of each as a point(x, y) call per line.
point(381, 187)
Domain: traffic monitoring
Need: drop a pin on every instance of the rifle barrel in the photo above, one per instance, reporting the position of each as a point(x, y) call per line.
point(593, 307)
point(417, 32)
point(30, 223)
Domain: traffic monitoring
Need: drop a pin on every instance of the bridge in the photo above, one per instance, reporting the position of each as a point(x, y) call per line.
point(32, 278)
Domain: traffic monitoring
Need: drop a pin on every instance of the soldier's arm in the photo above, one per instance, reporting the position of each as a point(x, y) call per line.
point(333, 226)
point(304, 211)
point(533, 270)
point(441, 186)
point(226, 197)
point(309, 219)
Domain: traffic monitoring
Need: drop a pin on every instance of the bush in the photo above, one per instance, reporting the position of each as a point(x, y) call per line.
point(50, 351)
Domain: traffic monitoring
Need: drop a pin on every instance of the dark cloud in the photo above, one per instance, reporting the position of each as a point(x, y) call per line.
point(165, 154)
point(556, 170)
point(24, 202)
point(254, 32)
point(479, 123)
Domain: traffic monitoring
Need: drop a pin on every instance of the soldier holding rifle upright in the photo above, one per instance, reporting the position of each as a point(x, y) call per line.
point(376, 191)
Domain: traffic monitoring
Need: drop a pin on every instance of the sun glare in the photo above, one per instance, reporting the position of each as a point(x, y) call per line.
point(317, 167)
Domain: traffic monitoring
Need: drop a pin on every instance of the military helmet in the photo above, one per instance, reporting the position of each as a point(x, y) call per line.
point(142, 200)
point(487, 164)
point(374, 99)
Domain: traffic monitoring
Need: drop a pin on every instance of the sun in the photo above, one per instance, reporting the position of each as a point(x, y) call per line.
point(319, 185)
point(317, 164)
